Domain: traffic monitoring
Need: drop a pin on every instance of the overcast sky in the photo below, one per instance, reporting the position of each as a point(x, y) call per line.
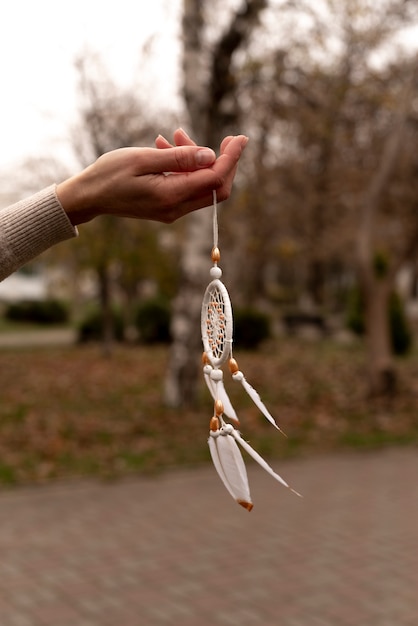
point(39, 41)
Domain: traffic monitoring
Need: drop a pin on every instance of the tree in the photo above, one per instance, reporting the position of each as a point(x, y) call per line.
point(115, 248)
point(328, 165)
point(312, 95)
point(387, 234)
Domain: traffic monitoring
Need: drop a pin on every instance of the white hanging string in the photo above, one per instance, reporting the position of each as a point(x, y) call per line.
point(215, 220)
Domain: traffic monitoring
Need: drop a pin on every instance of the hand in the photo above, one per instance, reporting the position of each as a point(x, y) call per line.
point(133, 182)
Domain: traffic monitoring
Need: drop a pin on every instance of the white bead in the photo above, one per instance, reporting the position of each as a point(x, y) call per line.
point(214, 433)
point(227, 429)
point(216, 374)
point(238, 376)
point(215, 272)
point(207, 369)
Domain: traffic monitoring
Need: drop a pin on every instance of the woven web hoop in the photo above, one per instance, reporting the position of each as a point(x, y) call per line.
point(216, 321)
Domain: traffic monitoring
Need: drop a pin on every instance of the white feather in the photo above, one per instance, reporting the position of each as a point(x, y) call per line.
point(260, 460)
point(255, 397)
point(213, 448)
point(234, 468)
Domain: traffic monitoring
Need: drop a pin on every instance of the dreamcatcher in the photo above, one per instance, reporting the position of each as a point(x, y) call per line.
point(217, 337)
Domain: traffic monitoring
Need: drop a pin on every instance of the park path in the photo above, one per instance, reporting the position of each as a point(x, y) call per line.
point(39, 338)
point(176, 550)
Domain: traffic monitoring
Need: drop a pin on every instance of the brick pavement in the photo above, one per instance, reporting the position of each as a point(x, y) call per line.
point(176, 550)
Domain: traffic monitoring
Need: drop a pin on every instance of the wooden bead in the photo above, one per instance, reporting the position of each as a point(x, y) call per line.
point(214, 424)
point(219, 408)
point(233, 366)
point(216, 255)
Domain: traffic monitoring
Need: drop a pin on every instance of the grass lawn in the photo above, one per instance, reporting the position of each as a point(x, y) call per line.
point(68, 412)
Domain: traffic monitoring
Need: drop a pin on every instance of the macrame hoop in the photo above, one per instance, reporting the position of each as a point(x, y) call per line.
point(216, 323)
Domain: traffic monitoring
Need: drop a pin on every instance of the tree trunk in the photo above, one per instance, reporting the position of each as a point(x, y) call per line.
point(381, 369)
point(378, 282)
point(106, 309)
point(181, 376)
point(209, 89)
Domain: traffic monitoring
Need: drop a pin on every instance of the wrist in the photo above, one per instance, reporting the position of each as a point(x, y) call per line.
point(74, 198)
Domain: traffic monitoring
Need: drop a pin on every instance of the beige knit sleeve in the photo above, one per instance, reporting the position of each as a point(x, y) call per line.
point(30, 227)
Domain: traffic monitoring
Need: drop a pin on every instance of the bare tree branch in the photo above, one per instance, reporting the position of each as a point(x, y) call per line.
point(222, 108)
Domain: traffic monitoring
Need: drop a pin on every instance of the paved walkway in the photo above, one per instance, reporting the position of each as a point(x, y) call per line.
point(43, 338)
point(176, 549)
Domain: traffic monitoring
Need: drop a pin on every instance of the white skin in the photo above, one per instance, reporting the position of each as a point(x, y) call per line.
point(132, 182)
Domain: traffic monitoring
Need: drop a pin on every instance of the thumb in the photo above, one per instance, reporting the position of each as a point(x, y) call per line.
point(180, 159)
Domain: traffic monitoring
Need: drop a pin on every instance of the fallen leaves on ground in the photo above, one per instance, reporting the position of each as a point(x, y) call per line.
point(69, 412)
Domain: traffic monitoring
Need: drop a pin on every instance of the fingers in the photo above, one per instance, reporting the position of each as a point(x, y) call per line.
point(196, 191)
point(177, 159)
point(193, 186)
point(232, 147)
point(225, 142)
point(162, 143)
point(226, 165)
point(182, 138)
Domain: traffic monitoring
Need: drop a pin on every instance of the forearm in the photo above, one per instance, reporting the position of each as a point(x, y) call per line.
point(30, 227)
point(128, 182)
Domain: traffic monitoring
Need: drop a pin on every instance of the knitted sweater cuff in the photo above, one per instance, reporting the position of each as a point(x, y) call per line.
point(30, 227)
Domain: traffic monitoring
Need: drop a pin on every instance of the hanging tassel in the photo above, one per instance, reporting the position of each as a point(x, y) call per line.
point(229, 463)
point(238, 376)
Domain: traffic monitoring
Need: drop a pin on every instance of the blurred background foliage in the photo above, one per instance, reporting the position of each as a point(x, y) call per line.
point(319, 238)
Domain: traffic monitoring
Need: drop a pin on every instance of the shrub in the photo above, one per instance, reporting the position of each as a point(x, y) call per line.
point(91, 327)
point(355, 312)
point(153, 320)
point(251, 328)
point(38, 312)
point(401, 335)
